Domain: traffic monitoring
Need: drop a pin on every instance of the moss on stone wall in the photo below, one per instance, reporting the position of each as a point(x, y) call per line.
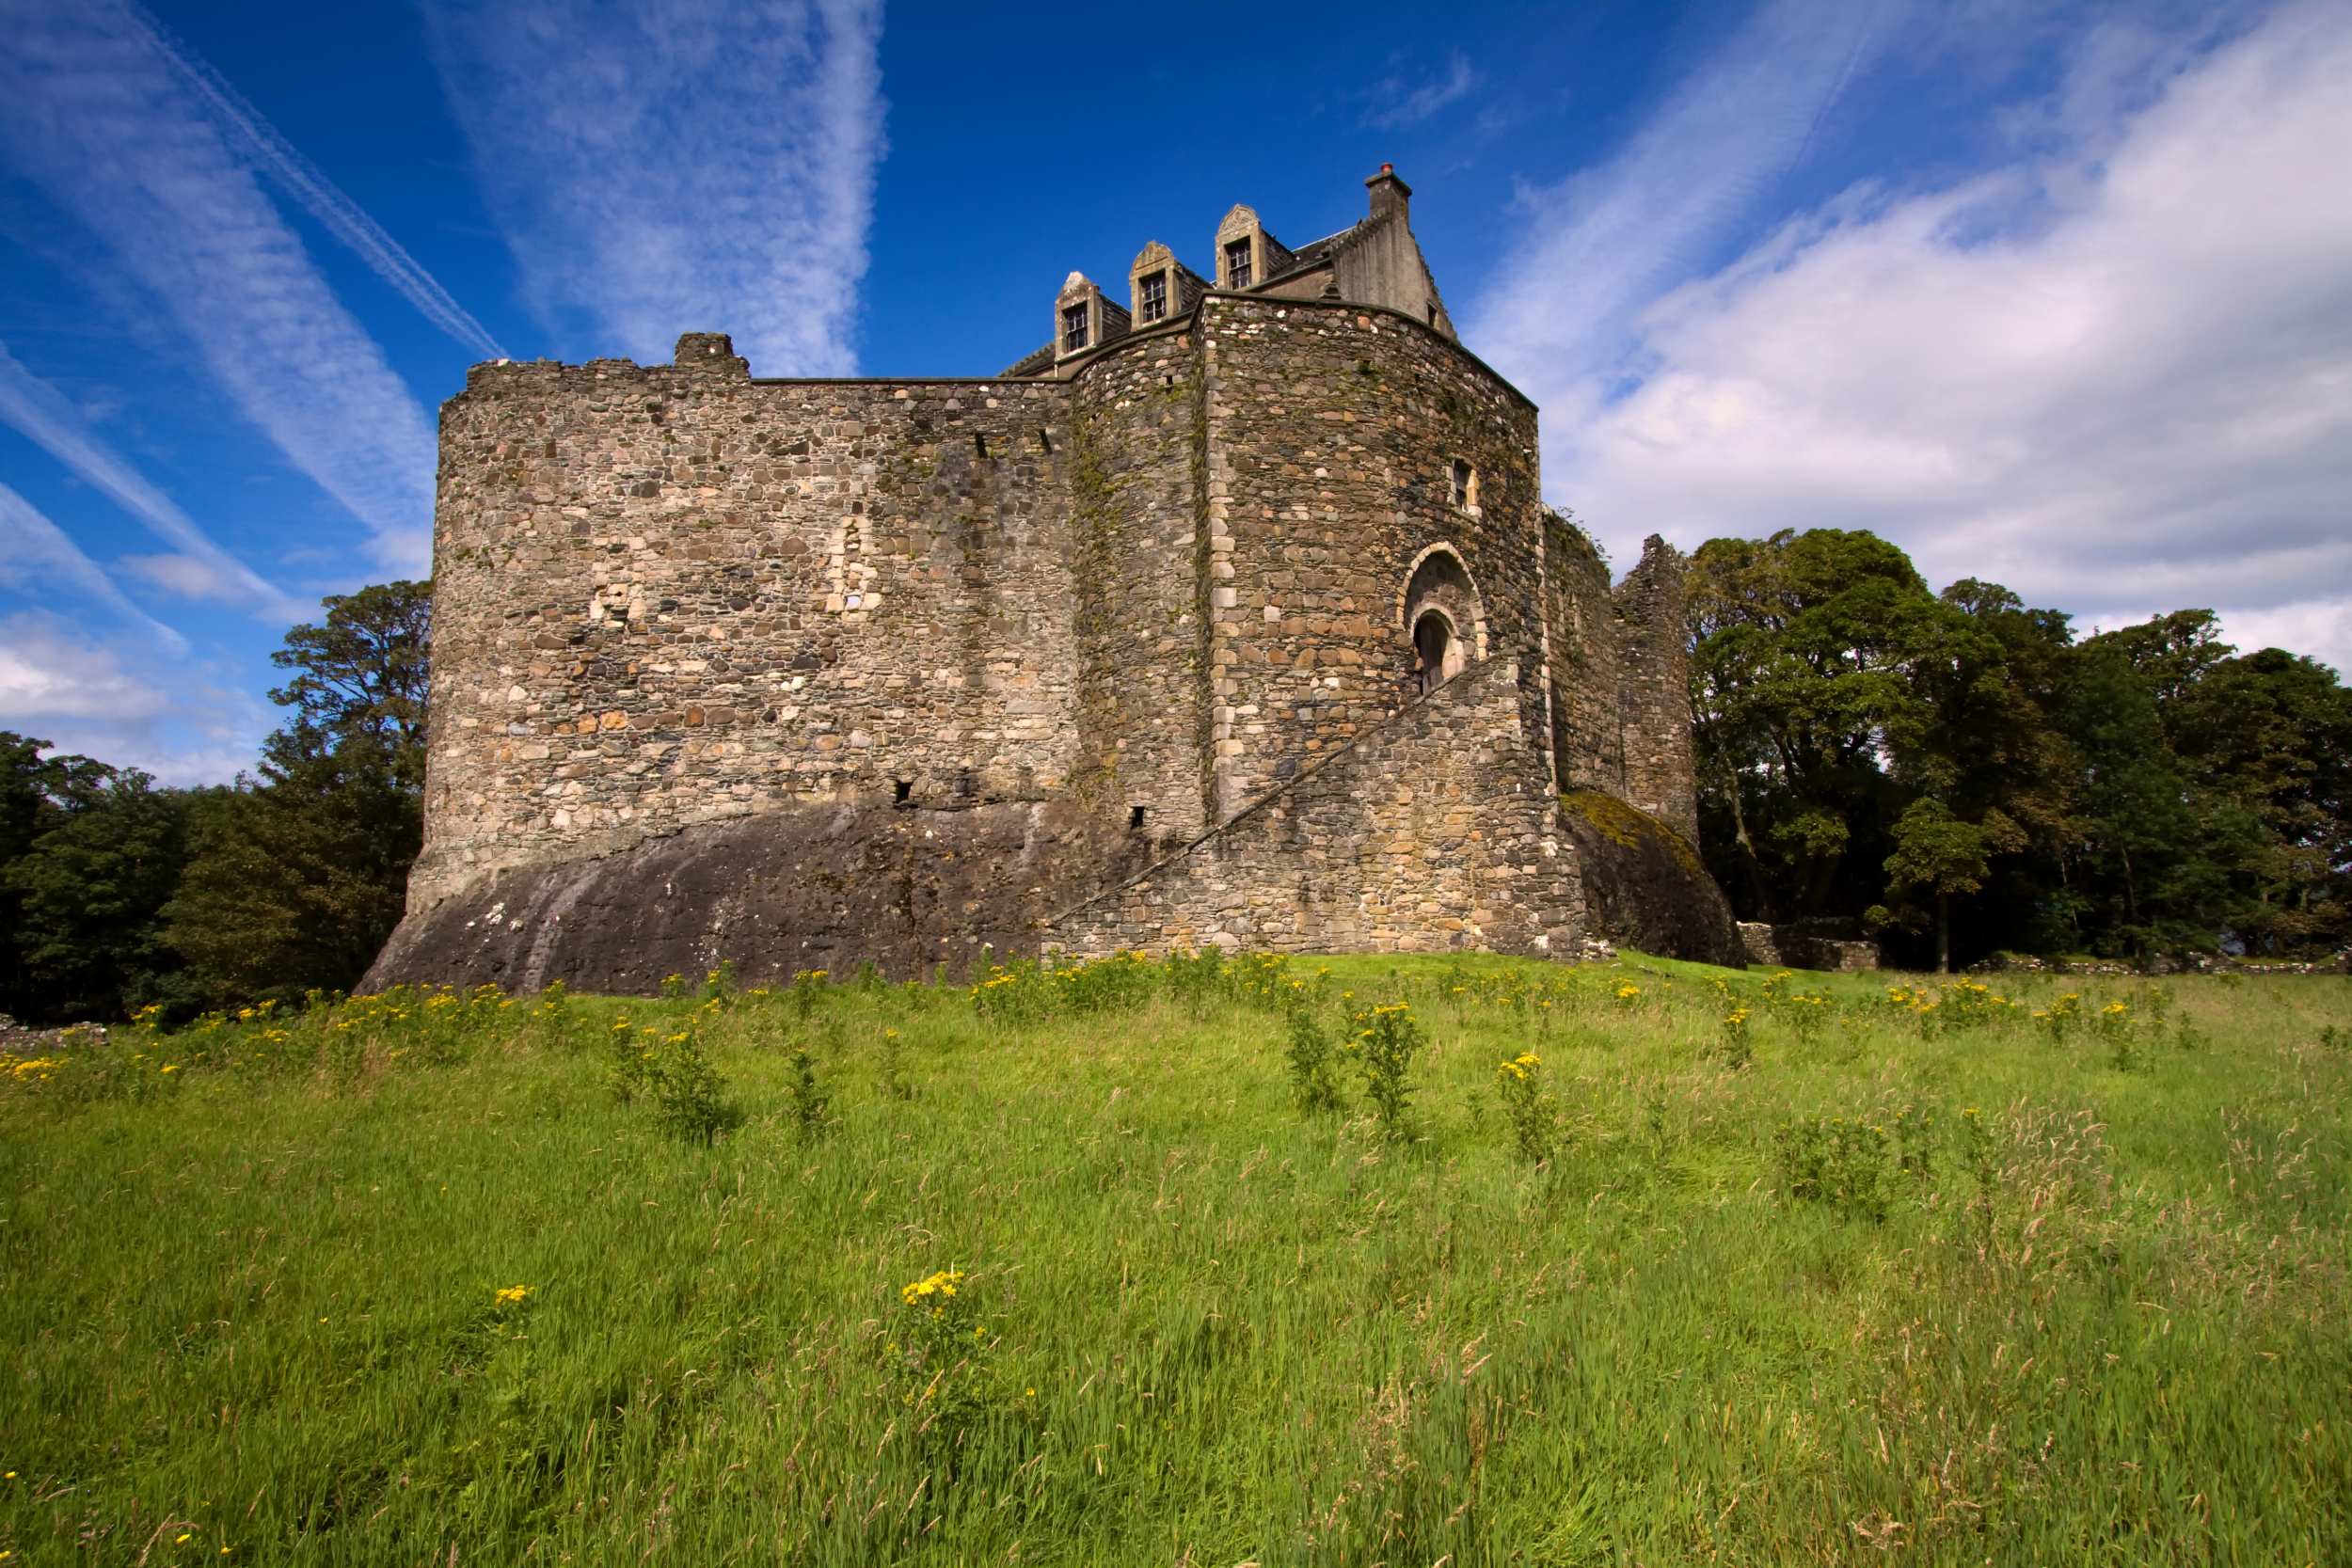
point(1644, 884)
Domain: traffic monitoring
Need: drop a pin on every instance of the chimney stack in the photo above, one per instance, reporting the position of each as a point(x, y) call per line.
point(1389, 195)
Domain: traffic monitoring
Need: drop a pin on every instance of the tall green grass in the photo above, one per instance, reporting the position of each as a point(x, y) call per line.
point(1809, 1269)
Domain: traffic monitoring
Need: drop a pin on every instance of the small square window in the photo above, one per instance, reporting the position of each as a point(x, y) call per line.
point(1073, 330)
point(1153, 297)
point(1237, 264)
point(1465, 484)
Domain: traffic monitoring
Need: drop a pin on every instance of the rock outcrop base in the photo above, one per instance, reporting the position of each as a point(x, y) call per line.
point(1644, 886)
point(821, 887)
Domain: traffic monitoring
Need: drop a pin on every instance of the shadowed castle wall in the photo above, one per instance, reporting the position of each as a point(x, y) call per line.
point(1654, 691)
point(1619, 667)
point(1138, 554)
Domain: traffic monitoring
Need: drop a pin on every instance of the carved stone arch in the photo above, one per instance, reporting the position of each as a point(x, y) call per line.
point(1441, 615)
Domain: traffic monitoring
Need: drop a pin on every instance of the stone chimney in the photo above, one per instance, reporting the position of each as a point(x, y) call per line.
point(1390, 196)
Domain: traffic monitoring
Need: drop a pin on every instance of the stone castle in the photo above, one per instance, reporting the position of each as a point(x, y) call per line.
point(1232, 615)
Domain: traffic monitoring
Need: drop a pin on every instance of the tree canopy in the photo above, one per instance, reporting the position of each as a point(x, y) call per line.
point(118, 895)
point(1968, 774)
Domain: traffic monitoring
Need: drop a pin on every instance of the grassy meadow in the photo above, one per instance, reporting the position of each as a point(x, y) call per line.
point(1359, 1261)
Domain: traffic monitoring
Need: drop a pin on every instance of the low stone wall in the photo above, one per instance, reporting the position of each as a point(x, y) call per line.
point(2201, 963)
point(1804, 945)
point(1436, 830)
point(23, 1039)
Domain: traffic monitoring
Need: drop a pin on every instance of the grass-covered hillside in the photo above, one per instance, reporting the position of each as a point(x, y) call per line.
point(1394, 1261)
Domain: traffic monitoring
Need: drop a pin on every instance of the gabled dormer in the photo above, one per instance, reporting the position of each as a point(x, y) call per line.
point(1247, 255)
point(1376, 262)
point(1160, 287)
point(1379, 263)
point(1083, 319)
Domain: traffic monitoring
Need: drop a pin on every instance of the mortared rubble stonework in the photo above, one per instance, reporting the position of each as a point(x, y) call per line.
point(1240, 621)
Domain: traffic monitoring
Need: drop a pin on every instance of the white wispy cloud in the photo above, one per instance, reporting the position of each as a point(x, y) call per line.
point(319, 195)
point(109, 128)
point(201, 570)
point(1603, 242)
point(2139, 401)
point(1400, 104)
point(35, 554)
point(107, 697)
point(680, 165)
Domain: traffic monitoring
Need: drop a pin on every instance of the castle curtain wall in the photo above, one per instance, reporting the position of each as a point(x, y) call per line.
point(1654, 691)
point(1431, 831)
point(675, 595)
point(1585, 674)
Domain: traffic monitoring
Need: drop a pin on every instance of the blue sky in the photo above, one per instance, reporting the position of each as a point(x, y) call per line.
point(2059, 295)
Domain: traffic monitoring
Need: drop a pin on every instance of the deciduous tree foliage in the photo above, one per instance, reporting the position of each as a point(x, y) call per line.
point(118, 894)
point(1966, 771)
point(91, 851)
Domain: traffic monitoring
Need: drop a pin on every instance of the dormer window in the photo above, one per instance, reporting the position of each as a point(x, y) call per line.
point(1159, 287)
point(1084, 320)
point(1237, 264)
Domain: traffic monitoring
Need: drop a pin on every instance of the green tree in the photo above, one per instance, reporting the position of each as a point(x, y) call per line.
point(2217, 794)
point(89, 890)
point(363, 671)
point(1939, 854)
point(2268, 738)
point(1802, 647)
point(2137, 877)
point(295, 880)
point(296, 883)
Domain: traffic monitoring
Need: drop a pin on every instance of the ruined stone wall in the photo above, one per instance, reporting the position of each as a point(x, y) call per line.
point(1588, 724)
point(1332, 431)
point(1436, 829)
point(1654, 691)
point(673, 594)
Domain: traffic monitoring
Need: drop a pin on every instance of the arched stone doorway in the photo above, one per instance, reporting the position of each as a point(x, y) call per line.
point(1442, 653)
point(1441, 617)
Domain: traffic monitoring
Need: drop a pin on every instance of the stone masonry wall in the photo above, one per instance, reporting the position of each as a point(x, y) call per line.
point(1654, 691)
point(675, 595)
point(1331, 436)
point(835, 638)
point(1434, 830)
point(1587, 673)
point(1137, 530)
